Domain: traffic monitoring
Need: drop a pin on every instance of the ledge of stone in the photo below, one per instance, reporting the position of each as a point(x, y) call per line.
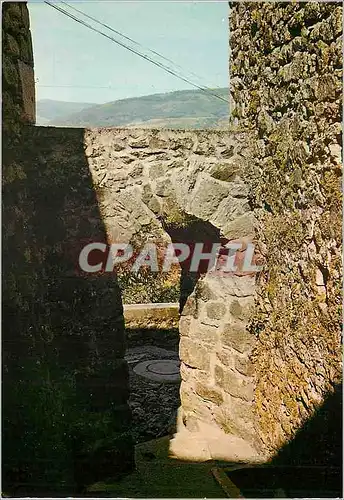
point(157, 315)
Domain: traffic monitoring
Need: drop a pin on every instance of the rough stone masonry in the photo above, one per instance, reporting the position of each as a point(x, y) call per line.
point(259, 354)
point(286, 84)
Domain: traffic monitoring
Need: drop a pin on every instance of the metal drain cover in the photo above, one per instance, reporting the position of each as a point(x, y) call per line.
point(159, 370)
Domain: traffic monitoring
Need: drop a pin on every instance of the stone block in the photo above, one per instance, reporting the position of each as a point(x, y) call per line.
point(191, 422)
point(228, 210)
point(26, 54)
point(237, 420)
point(140, 142)
point(158, 143)
point(194, 354)
point(235, 335)
point(203, 333)
point(204, 292)
point(10, 73)
point(209, 393)
point(163, 187)
point(227, 357)
point(215, 310)
point(189, 400)
point(244, 365)
point(184, 325)
point(150, 200)
point(233, 384)
point(241, 309)
point(229, 447)
point(28, 91)
point(190, 446)
point(11, 45)
point(14, 9)
point(207, 196)
point(224, 171)
point(240, 227)
point(190, 307)
point(227, 285)
point(158, 170)
point(25, 16)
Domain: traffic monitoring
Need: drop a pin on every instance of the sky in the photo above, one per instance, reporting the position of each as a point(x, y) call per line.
point(73, 63)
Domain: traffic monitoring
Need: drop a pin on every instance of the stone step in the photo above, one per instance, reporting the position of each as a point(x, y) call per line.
point(210, 443)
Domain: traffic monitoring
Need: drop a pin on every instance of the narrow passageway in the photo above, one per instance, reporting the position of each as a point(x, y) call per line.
point(153, 361)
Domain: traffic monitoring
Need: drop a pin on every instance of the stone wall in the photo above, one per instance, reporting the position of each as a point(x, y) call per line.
point(144, 177)
point(286, 83)
point(65, 381)
point(215, 347)
point(183, 186)
point(63, 332)
point(18, 85)
point(146, 180)
point(142, 174)
point(255, 364)
point(70, 187)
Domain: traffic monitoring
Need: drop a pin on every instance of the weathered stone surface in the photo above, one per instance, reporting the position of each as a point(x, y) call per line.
point(235, 335)
point(232, 286)
point(194, 354)
point(184, 325)
point(10, 72)
point(205, 334)
point(226, 356)
point(190, 308)
point(225, 171)
point(204, 292)
point(234, 384)
point(141, 142)
point(228, 448)
point(157, 170)
point(244, 365)
point(150, 200)
point(240, 227)
point(215, 310)
point(209, 393)
point(12, 46)
point(237, 420)
point(289, 96)
point(241, 309)
point(228, 210)
point(207, 196)
point(28, 86)
point(192, 404)
point(163, 187)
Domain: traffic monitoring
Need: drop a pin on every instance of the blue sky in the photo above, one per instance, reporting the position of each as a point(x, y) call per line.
point(72, 63)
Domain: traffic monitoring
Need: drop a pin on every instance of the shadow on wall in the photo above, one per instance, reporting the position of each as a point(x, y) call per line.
point(319, 441)
point(65, 381)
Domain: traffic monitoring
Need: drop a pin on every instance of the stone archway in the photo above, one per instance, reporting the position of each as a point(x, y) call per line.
point(148, 178)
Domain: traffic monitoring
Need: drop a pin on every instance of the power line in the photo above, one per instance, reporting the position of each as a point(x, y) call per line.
point(204, 89)
point(76, 86)
point(130, 39)
point(159, 65)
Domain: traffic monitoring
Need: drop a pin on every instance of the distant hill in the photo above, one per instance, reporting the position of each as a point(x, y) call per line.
point(182, 109)
point(48, 110)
